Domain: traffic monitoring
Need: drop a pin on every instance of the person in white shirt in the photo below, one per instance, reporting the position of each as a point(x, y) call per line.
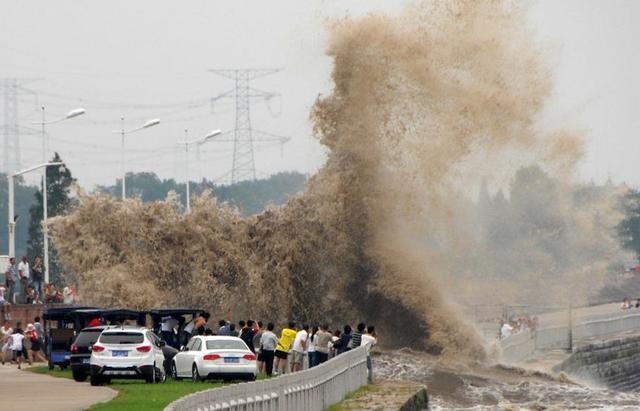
point(369, 339)
point(313, 340)
point(505, 330)
point(16, 344)
point(67, 295)
point(23, 274)
point(167, 329)
point(299, 348)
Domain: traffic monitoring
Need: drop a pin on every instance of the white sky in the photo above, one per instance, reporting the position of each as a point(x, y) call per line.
point(112, 57)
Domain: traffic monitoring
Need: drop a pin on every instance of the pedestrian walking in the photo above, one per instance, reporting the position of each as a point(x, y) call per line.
point(17, 346)
point(35, 352)
point(268, 343)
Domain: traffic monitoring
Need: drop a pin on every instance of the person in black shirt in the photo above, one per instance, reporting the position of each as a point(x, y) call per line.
point(246, 335)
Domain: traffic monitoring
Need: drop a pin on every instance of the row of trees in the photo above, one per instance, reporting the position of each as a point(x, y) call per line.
point(250, 197)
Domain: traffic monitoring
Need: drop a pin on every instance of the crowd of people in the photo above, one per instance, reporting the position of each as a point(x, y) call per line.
point(518, 324)
point(24, 284)
point(17, 344)
point(296, 347)
point(627, 304)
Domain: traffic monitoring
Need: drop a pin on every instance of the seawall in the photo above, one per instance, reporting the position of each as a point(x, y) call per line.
point(613, 363)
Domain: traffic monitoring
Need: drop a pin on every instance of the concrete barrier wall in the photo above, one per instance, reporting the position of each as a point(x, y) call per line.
point(519, 347)
point(613, 364)
point(314, 389)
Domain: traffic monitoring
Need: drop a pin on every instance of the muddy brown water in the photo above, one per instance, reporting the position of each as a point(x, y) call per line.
point(456, 386)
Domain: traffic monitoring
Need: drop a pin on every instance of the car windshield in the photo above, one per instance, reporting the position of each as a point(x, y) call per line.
point(121, 338)
point(225, 345)
point(86, 338)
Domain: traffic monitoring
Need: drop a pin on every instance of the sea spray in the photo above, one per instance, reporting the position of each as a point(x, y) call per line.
point(424, 106)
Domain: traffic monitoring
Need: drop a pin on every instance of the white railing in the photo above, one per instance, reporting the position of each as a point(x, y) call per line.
point(314, 389)
point(518, 347)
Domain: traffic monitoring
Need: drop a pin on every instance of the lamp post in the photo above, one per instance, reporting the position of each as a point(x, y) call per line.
point(12, 220)
point(188, 143)
point(45, 149)
point(123, 133)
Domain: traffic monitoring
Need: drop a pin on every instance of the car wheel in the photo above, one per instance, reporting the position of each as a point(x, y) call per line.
point(79, 376)
point(174, 372)
point(161, 376)
point(95, 381)
point(195, 375)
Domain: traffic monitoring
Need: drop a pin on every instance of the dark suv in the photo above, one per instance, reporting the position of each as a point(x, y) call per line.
point(81, 352)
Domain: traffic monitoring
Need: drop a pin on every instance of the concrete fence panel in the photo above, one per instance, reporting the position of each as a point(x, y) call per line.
point(314, 389)
point(518, 347)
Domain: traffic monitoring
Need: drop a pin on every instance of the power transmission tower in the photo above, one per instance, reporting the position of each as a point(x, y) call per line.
point(11, 130)
point(245, 135)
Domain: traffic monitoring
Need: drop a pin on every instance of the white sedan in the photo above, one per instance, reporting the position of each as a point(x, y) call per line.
point(214, 357)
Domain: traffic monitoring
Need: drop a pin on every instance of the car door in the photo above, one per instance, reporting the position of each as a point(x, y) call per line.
point(196, 353)
point(183, 363)
point(155, 344)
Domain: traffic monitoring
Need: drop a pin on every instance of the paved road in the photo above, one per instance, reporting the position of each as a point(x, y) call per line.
point(22, 390)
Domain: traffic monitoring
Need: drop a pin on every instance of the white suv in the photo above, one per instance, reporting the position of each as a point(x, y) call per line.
point(127, 352)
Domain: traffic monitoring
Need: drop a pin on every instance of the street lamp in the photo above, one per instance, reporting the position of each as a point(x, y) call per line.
point(45, 149)
point(12, 221)
point(187, 143)
point(124, 132)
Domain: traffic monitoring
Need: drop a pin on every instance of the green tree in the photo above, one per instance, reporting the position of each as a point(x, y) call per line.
point(59, 181)
point(629, 227)
point(251, 197)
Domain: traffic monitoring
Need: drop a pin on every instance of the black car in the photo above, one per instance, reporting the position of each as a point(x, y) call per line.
point(81, 351)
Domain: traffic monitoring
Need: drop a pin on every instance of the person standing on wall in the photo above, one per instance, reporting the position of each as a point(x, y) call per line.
point(38, 277)
point(24, 273)
point(10, 278)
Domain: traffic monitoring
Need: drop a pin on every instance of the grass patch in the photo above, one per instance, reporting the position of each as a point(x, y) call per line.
point(43, 369)
point(136, 395)
point(355, 394)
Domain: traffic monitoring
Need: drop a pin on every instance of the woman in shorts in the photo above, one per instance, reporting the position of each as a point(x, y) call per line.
point(35, 353)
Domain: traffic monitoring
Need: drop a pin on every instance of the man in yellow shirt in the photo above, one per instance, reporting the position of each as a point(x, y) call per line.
point(284, 345)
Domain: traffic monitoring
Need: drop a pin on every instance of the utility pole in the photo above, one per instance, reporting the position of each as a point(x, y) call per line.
point(244, 135)
point(11, 154)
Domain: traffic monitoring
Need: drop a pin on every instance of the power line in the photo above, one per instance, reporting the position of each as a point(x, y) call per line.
point(244, 167)
point(11, 130)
